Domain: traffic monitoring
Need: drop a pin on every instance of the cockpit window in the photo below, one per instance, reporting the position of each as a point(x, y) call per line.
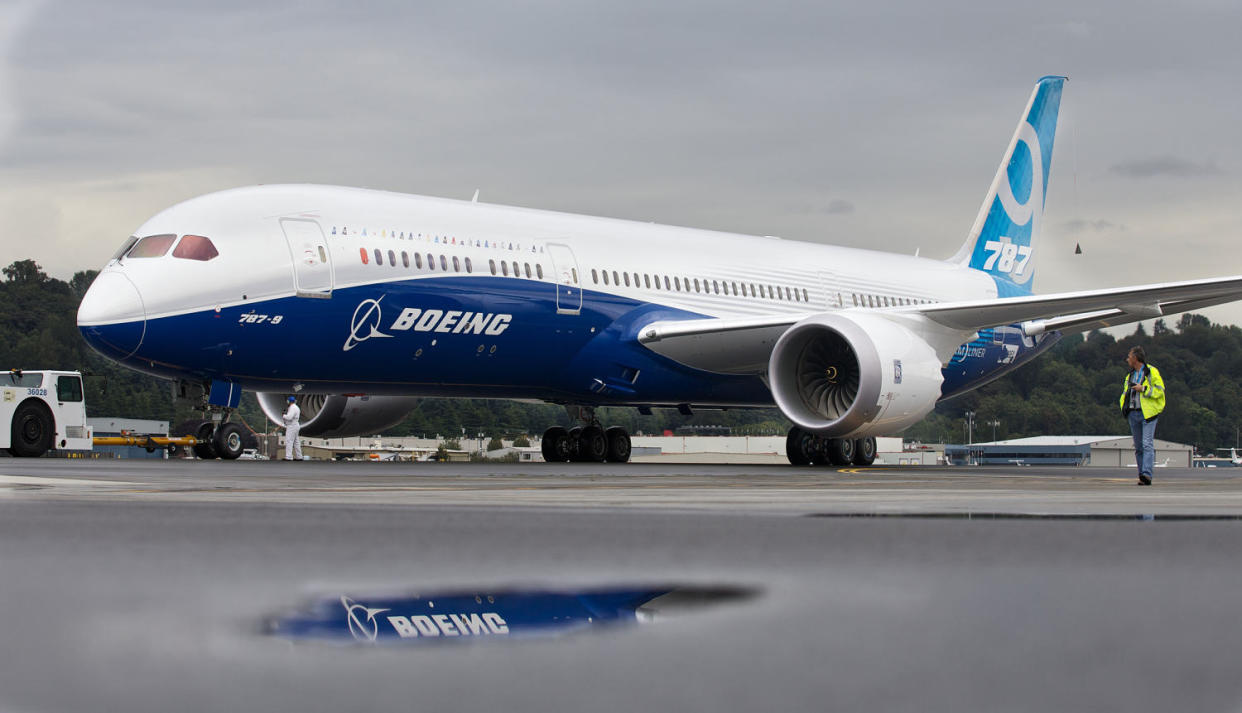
point(152, 246)
point(129, 243)
point(196, 247)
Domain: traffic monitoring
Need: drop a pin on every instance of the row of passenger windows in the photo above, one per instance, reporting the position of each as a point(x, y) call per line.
point(190, 247)
point(687, 284)
point(457, 264)
point(638, 280)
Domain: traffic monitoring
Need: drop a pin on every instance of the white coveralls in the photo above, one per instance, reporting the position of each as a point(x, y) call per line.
point(293, 424)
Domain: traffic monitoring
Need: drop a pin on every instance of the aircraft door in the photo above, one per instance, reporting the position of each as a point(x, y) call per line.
point(568, 279)
point(312, 262)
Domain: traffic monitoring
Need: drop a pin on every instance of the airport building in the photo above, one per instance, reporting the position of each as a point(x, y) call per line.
point(1105, 451)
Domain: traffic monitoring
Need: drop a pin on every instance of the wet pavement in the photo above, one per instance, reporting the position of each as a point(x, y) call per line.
point(172, 586)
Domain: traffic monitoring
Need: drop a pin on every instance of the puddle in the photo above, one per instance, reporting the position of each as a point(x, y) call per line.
point(1028, 516)
point(475, 616)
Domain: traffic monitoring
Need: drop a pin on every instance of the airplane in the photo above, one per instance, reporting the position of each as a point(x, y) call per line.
point(359, 302)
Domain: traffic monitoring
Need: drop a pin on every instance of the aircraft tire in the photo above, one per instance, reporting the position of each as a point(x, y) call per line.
point(592, 445)
point(840, 451)
point(864, 451)
point(205, 450)
point(227, 441)
point(798, 446)
point(32, 430)
point(575, 444)
point(556, 445)
point(618, 445)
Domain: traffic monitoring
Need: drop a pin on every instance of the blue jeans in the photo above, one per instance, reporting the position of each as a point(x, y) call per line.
point(1144, 433)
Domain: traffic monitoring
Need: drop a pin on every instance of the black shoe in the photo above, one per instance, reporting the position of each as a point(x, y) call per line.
point(1144, 480)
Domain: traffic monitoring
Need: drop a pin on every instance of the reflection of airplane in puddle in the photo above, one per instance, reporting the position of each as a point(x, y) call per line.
point(460, 616)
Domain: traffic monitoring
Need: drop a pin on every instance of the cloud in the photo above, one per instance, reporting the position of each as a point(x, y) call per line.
point(1165, 166)
point(1080, 225)
point(839, 206)
point(14, 18)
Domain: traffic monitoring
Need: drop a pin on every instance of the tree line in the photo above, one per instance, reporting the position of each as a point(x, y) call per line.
point(1073, 389)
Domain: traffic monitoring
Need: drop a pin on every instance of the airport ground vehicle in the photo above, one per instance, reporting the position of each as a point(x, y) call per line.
point(46, 410)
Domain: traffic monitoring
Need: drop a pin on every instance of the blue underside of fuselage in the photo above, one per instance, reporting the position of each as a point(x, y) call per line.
point(349, 345)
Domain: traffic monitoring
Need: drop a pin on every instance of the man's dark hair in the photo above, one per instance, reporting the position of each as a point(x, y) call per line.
point(1139, 354)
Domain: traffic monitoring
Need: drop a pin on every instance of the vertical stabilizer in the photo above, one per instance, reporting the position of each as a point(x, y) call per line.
point(1002, 241)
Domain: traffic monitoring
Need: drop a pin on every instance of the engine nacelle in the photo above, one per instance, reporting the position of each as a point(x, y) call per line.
point(332, 416)
point(844, 374)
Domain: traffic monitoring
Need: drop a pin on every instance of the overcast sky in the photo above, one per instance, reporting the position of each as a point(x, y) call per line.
point(873, 124)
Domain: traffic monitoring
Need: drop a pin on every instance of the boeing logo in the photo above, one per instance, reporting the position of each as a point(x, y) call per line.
point(368, 317)
point(361, 620)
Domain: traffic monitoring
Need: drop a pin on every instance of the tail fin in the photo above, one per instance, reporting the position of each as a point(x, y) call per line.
point(1002, 241)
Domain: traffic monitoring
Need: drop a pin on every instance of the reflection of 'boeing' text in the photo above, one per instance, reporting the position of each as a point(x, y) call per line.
point(486, 624)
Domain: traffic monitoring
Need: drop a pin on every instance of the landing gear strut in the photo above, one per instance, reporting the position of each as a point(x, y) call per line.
point(805, 448)
point(590, 443)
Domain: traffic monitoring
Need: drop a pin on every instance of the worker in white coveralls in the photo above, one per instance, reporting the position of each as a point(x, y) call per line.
point(293, 424)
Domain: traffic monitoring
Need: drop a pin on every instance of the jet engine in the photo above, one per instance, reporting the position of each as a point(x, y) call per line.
point(335, 416)
point(843, 374)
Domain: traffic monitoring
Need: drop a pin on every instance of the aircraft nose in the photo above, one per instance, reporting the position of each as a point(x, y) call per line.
point(112, 316)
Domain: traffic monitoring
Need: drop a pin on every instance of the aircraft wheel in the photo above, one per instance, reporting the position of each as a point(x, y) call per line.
point(205, 450)
point(556, 445)
point(592, 445)
point(864, 451)
point(227, 441)
point(32, 430)
point(618, 445)
point(840, 451)
point(799, 446)
point(575, 443)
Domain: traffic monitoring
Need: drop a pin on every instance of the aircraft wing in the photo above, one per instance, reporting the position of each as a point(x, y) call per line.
point(743, 345)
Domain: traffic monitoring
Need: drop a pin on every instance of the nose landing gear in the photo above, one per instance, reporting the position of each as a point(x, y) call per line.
point(805, 448)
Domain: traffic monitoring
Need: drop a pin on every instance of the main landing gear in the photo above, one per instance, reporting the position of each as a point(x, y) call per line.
point(805, 448)
point(591, 443)
point(219, 440)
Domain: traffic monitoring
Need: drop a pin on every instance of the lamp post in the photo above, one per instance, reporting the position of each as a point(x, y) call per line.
point(970, 427)
point(994, 423)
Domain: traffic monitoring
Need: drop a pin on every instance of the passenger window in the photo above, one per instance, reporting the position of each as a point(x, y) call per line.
point(696, 285)
point(363, 253)
point(196, 247)
point(443, 263)
point(492, 265)
point(677, 283)
point(575, 274)
point(469, 267)
point(504, 268)
point(431, 261)
point(606, 277)
point(152, 246)
point(539, 270)
point(379, 257)
point(405, 259)
point(627, 279)
point(456, 264)
point(323, 256)
point(392, 258)
point(526, 269)
point(647, 281)
point(666, 283)
point(68, 388)
point(418, 260)
point(594, 276)
point(806, 297)
point(616, 279)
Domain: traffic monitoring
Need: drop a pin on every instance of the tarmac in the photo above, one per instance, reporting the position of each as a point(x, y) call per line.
point(153, 586)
